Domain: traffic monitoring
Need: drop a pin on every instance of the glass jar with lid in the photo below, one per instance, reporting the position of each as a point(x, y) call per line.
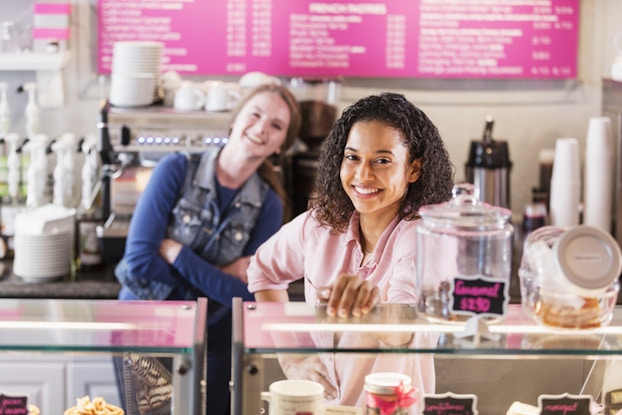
point(569, 276)
point(464, 258)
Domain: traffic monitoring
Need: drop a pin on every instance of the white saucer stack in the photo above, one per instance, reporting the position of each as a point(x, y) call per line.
point(135, 71)
point(44, 239)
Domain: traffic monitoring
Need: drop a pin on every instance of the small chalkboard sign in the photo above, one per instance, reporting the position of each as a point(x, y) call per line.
point(479, 296)
point(450, 404)
point(13, 405)
point(564, 404)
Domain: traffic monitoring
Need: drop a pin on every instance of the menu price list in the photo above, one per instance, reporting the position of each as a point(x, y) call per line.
point(391, 38)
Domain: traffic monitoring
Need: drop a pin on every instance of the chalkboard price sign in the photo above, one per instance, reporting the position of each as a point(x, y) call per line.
point(479, 296)
point(450, 404)
point(13, 405)
point(564, 404)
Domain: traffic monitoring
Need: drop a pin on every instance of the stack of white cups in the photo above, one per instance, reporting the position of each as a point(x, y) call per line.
point(598, 174)
point(565, 183)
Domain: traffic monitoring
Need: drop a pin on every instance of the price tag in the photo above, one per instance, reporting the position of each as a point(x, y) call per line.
point(13, 405)
point(564, 404)
point(479, 296)
point(450, 404)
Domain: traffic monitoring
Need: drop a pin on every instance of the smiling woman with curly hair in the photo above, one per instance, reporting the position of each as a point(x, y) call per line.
point(355, 246)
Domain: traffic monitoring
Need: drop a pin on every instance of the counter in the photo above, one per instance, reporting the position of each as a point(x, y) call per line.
point(88, 284)
point(102, 284)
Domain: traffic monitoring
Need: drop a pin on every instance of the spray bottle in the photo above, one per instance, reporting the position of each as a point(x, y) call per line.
point(64, 148)
point(37, 171)
point(5, 112)
point(5, 129)
point(14, 167)
point(10, 209)
point(32, 110)
point(91, 183)
point(89, 217)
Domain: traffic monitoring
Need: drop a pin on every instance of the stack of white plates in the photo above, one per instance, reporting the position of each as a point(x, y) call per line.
point(44, 240)
point(135, 71)
point(40, 258)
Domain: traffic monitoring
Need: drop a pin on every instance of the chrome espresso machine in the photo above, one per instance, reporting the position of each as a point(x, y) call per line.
point(130, 142)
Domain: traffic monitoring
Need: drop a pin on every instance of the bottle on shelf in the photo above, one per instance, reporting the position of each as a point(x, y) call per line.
point(89, 212)
point(536, 214)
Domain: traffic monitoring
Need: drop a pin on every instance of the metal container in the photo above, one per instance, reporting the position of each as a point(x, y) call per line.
point(464, 258)
point(488, 168)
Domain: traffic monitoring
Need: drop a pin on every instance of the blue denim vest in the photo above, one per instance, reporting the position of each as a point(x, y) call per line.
point(197, 222)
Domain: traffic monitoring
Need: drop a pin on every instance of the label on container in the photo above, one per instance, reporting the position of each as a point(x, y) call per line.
point(564, 404)
point(450, 404)
point(14, 405)
point(479, 295)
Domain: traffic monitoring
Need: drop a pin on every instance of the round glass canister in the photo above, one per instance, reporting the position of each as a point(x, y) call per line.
point(569, 276)
point(389, 393)
point(464, 258)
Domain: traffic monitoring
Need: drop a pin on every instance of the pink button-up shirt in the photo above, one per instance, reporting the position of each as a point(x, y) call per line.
point(305, 249)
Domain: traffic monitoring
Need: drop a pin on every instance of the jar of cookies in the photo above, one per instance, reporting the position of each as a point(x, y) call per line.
point(464, 258)
point(569, 276)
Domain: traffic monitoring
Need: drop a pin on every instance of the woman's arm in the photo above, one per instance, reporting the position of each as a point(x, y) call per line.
point(277, 296)
point(210, 279)
point(148, 226)
point(280, 260)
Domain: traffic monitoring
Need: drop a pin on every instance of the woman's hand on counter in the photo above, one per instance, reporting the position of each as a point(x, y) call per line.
point(349, 295)
point(169, 250)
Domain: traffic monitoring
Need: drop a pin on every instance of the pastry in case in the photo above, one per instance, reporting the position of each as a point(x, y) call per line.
point(84, 406)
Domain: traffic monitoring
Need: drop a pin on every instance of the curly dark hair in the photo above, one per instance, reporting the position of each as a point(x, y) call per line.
point(331, 204)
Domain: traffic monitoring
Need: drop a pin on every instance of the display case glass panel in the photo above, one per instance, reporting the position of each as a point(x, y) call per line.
point(514, 359)
point(149, 354)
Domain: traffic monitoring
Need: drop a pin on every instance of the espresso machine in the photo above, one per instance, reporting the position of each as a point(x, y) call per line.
point(130, 143)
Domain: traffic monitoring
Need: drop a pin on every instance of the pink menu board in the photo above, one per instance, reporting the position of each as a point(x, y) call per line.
point(387, 38)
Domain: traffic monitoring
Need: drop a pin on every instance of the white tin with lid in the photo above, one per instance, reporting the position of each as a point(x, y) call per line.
point(589, 260)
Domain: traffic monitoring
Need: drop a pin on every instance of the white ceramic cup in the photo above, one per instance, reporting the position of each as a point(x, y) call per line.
point(170, 82)
point(295, 397)
point(188, 97)
point(221, 98)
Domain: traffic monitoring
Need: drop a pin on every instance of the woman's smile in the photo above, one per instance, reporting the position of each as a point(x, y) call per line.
point(255, 139)
point(366, 191)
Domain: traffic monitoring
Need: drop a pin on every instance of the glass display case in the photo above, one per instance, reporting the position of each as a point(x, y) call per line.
point(512, 360)
point(145, 356)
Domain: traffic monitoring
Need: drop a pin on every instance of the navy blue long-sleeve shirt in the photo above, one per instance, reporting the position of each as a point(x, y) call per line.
point(148, 227)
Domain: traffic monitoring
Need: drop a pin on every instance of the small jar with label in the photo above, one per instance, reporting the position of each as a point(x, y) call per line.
point(389, 393)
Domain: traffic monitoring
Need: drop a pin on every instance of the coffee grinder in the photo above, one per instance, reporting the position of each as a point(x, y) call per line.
point(488, 168)
point(318, 100)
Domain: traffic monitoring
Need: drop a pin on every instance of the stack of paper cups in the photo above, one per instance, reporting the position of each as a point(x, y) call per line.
point(598, 174)
point(565, 183)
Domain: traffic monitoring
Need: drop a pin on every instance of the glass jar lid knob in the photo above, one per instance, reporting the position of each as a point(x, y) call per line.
point(465, 194)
